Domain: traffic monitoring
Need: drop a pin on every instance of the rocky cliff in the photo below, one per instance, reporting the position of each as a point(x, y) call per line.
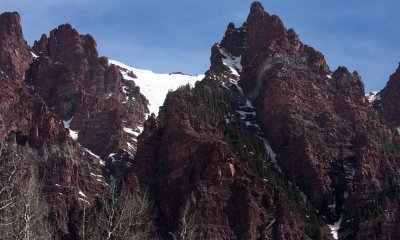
point(325, 136)
point(271, 144)
point(91, 97)
point(386, 101)
point(35, 147)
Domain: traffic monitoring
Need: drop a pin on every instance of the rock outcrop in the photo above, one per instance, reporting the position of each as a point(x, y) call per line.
point(35, 143)
point(387, 100)
point(89, 95)
point(196, 178)
point(327, 137)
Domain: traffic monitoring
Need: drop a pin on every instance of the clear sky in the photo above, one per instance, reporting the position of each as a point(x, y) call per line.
point(176, 35)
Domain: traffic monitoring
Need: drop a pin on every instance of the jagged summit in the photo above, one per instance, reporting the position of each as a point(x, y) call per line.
point(257, 8)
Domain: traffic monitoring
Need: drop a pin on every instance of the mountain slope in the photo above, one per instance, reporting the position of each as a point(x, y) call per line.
point(327, 139)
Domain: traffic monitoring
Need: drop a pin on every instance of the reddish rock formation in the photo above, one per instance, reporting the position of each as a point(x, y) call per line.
point(329, 141)
point(388, 102)
point(34, 140)
point(182, 160)
point(318, 122)
point(102, 107)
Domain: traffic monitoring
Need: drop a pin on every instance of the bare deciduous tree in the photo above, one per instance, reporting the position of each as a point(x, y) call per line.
point(22, 213)
point(123, 216)
point(187, 226)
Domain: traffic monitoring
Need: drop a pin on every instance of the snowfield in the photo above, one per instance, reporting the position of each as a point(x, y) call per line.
point(155, 86)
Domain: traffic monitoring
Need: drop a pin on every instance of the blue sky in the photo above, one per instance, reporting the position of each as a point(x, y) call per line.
point(176, 35)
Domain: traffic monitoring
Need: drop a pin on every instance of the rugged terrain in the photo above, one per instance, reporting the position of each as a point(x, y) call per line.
point(270, 144)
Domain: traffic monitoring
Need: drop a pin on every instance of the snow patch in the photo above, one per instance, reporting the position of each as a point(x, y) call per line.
point(96, 175)
point(271, 223)
point(234, 65)
point(131, 131)
point(335, 228)
point(155, 86)
point(82, 194)
point(34, 55)
point(73, 134)
point(372, 96)
point(231, 61)
point(83, 200)
point(91, 153)
point(398, 130)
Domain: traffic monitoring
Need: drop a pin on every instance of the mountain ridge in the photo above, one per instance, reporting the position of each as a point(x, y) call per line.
point(270, 144)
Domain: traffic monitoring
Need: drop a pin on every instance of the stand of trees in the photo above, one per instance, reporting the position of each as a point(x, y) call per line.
point(22, 211)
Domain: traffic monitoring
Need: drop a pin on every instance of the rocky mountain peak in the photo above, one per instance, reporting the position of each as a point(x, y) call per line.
point(263, 28)
point(15, 56)
point(387, 100)
point(11, 23)
point(65, 44)
point(257, 9)
point(233, 40)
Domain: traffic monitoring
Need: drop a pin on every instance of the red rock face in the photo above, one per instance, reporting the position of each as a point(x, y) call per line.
point(81, 87)
point(329, 141)
point(388, 99)
point(317, 121)
point(181, 159)
point(35, 141)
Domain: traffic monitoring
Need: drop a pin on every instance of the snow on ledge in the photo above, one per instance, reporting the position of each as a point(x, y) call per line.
point(335, 228)
point(73, 134)
point(82, 194)
point(34, 55)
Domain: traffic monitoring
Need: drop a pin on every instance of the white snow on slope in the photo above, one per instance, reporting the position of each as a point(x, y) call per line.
point(372, 96)
point(102, 163)
point(82, 194)
point(335, 228)
point(72, 133)
point(34, 55)
point(131, 131)
point(231, 61)
point(155, 86)
point(235, 66)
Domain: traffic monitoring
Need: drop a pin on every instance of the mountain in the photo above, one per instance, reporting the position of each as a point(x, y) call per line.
point(269, 144)
point(387, 102)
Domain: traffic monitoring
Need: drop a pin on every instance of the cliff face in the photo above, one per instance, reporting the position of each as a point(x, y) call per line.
point(270, 145)
point(327, 138)
point(386, 101)
point(89, 95)
point(197, 177)
point(36, 147)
